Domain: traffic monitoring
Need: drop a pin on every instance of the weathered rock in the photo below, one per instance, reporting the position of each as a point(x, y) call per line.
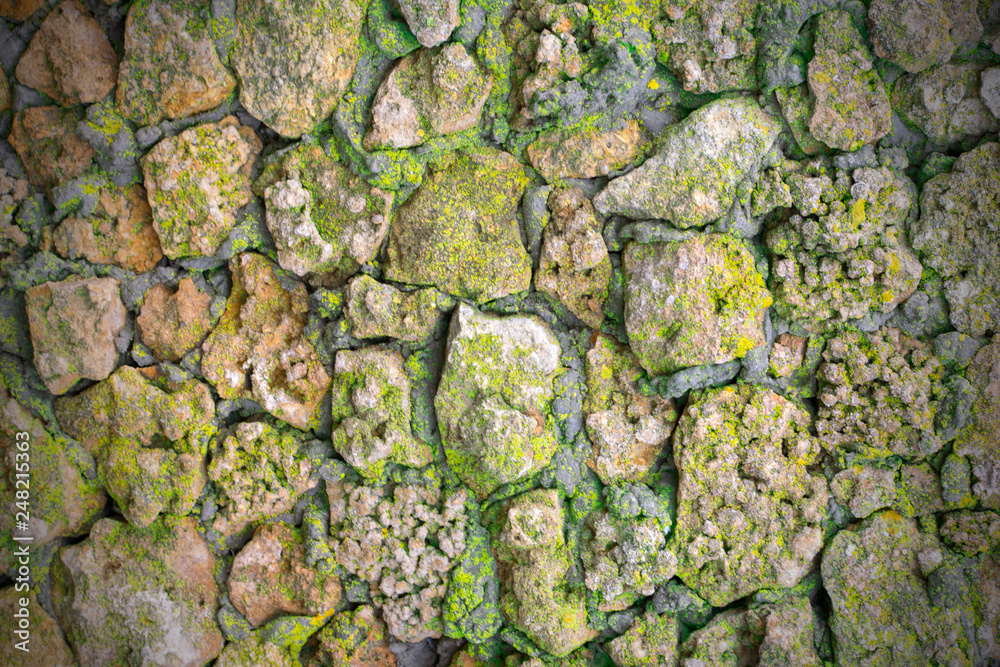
point(916, 35)
point(944, 102)
point(355, 639)
point(258, 350)
point(864, 489)
point(919, 490)
point(256, 649)
point(957, 237)
point(52, 153)
point(293, 72)
point(841, 253)
point(533, 559)
point(129, 591)
point(4, 92)
point(309, 194)
point(69, 58)
point(432, 21)
point(787, 354)
point(173, 322)
point(989, 90)
point(970, 532)
point(749, 513)
point(196, 181)
point(650, 642)
point(797, 109)
point(170, 68)
point(403, 541)
point(376, 310)
point(18, 10)
point(692, 178)
point(877, 395)
point(270, 578)
point(851, 106)
point(574, 267)
point(494, 400)
point(693, 302)
point(628, 429)
point(371, 403)
point(73, 325)
point(429, 93)
point(117, 229)
point(149, 440)
point(259, 470)
point(45, 645)
point(586, 151)
point(979, 442)
point(459, 230)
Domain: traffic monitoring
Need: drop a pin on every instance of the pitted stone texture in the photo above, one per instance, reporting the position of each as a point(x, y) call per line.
point(864, 489)
point(693, 302)
point(749, 514)
point(47, 646)
point(979, 442)
point(650, 642)
point(432, 21)
point(917, 34)
point(944, 102)
point(173, 322)
point(293, 72)
point(494, 399)
point(376, 310)
point(586, 152)
point(355, 638)
point(170, 68)
point(73, 326)
point(45, 139)
point(259, 351)
point(19, 10)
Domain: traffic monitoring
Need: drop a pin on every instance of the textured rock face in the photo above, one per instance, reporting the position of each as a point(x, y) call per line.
point(432, 21)
point(586, 152)
point(258, 350)
point(741, 454)
point(45, 139)
point(692, 177)
point(428, 94)
point(694, 302)
point(73, 325)
point(944, 102)
point(494, 400)
point(48, 648)
point(917, 35)
point(376, 310)
point(650, 642)
point(293, 74)
point(979, 442)
point(196, 181)
point(127, 590)
point(355, 639)
point(18, 10)
point(170, 68)
point(957, 237)
point(459, 232)
point(69, 58)
point(174, 322)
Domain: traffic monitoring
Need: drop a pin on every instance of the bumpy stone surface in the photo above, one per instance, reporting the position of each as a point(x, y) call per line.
point(586, 151)
point(255, 649)
point(46, 645)
point(4, 92)
point(429, 93)
point(258, 349)
point(863, 489)
point(116, 229)
point(970, 532)
point(323, 217)
point(710, 47)
point(533, 559)
point(355, 639)
point(692, 178)
point(259, 470)
point(957, 236)
point(841, 253)
point(149, 440)
point(772, 635)
point(650, 642)
point(270, 578)
point(627, 429)
point(574, 267)
point(693, 302)
point(459, 230)
point(196, 181)
point(432, 21)
point(172, 322)
point(73, 326)
point(403, 541)
point(70, 58)
point(18, 10)
point(979, 442)
point(376, 310)
point(293, 73)
point(127, 591)
point(749, 513)
point(944, 103)
point(877, 395)
point(916, 35)
point(170, 68)
point(495, 396)
point(371, 403)
point(45, 138)
point(989, 90)
point(851, 106)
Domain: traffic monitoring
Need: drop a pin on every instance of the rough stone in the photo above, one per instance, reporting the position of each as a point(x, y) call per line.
point(354, 639)
point(432, 21)
point(920, 491)
point(459, 230)
point(129, 591)
point(916, 35)
point(45, 138)
point(173, 322)
point(196, 181)
point(693, 177)
point(586, 151)
point(650, 642)
point(944, 102)
point(979, 442)
point(255, 649)
point(749, 514)
point(429, 93)
point(494, 400)
point(170, 68)
point(864, 489)
point(19, 10)
point(73, 326)
point(989, 90)
point(46, 643)
point(692, 302)
point(293, 73)
point(69, 58)
point(4, 92)
point(259, 351)
point(375, 310)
